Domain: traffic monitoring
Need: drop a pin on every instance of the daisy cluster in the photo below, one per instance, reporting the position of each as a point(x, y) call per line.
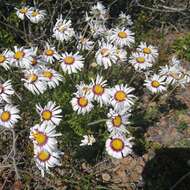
point(171, 75)
point(38, 76)
point(175, 74)
point(108, 44)
point(43, 135)
point(120, 99)
point(9, 113)
point(34, 14)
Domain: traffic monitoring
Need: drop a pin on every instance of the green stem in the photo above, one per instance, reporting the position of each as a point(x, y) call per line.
point(97, 122)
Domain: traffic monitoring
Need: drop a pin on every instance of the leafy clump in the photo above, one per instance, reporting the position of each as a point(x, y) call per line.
point(182, 46)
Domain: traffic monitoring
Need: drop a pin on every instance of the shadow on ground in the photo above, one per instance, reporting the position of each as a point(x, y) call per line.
point(166, 168)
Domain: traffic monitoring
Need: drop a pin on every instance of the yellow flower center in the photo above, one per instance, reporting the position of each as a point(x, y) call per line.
point(122, 34)
point(49, 52)
point(43, 155)
point(105, 52)
point(47, 74)
point(117, 121)
point(34, 62)
point(46, 115)
point(19, 55)
point(23, 10)
point(98, 89)
point(33, 77)
point(61, 28)
point(120, 96)
point(147, 50)
point(40, 138)
point(117, 51)
point(82, 101)
point(35, 13)
point(5, 116)
point(140, 59)
point(69, 60)
point(117, 144)
point(2, 58)
point(155, 84)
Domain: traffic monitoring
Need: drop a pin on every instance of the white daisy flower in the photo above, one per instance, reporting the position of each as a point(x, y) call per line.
point(121, 54)
point(116, 124)
point(62, 30)
point(99, 12)
point(106, 55)
point(122, 37)
point(84, 88)
point(5, 59)
point(45, 159)
point(37, 62)
point(71, 63)
point(36, 15)
point(23, 12)
point(84, 43)
point(175, 61)
point(118, 146)
point(50, 54)
point(9, 116)
point(99, 92)
point(88, 140)
point(140, 62)
point(98, 29)
point(125, 19)
point(150, 51)
point(81, 103)
point(51, 76)
point(50, 114)
point(6, 90)
point(173, 74)
point(43, 136)
point(121, 97)
point(34, 82)
point(156, 83)
point(186, 76)
point(22, 57)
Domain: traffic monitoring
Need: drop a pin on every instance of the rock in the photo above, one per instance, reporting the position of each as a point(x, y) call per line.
point(115, 161)
point(141, 162)
point(106, 177)
point(17, 185)
point(121, 173)
point(117, 180)
point(84, 166)
point(146, 157)
point(127, 160)
point(133, 163)
point(139, 169)
point(184, 118)
point(187, 132)
point(135, 177)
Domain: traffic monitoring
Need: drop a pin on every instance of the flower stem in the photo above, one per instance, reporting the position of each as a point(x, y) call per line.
point(97, 122)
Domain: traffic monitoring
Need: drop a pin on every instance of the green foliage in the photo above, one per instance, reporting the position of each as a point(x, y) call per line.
point(182, 126)
point(184, 143)
point(181, 46)
point(152, 113)
point(6, 38)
